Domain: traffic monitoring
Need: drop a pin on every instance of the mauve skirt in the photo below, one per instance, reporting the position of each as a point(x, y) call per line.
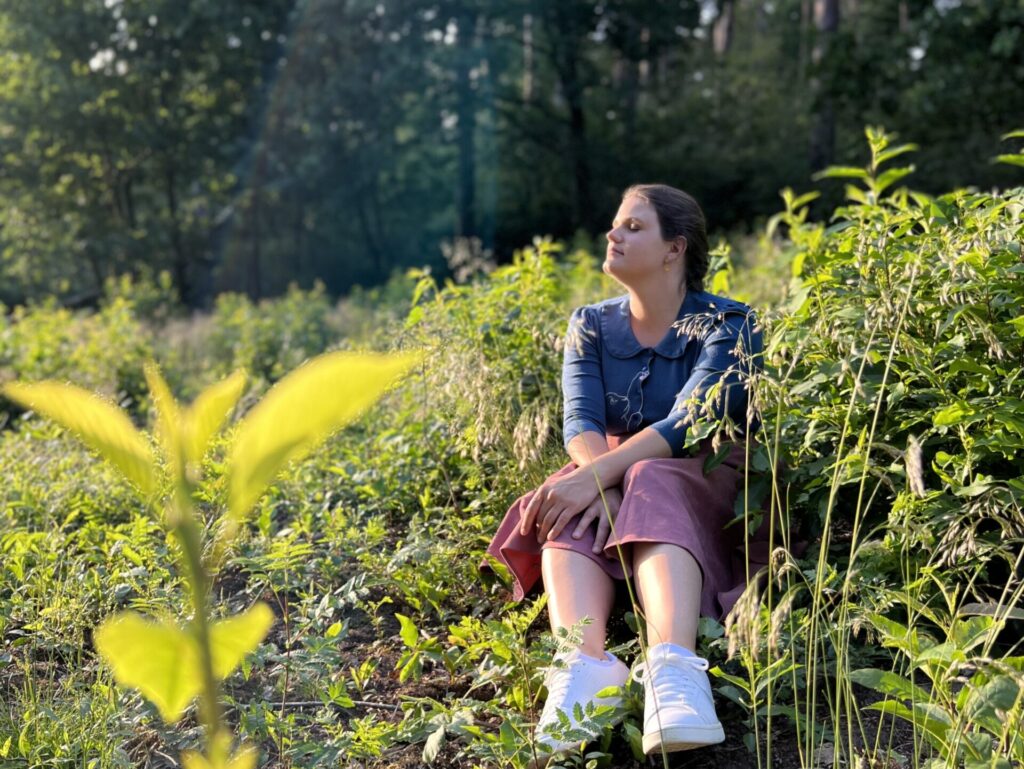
point(663, 500)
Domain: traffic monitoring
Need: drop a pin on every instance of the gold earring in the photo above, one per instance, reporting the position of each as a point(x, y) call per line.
point(667, 268)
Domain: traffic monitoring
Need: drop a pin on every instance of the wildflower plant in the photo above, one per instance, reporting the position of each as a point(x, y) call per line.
point(169, 663)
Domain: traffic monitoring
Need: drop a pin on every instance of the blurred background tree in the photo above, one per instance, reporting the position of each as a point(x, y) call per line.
point(246, 145)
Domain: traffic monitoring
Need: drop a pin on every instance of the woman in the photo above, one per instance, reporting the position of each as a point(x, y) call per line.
point(643, 366)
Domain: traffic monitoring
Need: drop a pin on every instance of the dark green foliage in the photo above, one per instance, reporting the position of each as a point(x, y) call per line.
point(242, 146)
point(897, 365)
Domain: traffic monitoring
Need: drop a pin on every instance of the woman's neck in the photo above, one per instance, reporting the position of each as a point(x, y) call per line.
point(653, 311)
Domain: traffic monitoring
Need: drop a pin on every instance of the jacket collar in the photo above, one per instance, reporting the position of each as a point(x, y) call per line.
point(617, 335)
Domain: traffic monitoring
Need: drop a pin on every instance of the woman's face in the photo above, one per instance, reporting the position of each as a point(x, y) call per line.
point(635, 248)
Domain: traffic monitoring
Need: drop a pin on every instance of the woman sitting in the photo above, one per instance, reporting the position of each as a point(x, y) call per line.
point(638, 371)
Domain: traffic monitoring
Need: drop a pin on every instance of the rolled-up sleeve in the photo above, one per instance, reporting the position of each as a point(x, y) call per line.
point(582, 381)
point(731, 353)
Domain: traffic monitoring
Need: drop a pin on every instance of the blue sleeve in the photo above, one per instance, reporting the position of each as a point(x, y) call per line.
point(731, 353)
point(582, 382)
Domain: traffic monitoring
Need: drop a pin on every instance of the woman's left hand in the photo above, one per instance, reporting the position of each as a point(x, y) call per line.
point(557, 502)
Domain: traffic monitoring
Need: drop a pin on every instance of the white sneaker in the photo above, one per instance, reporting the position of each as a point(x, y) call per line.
point(679, 712)
point(575, 679)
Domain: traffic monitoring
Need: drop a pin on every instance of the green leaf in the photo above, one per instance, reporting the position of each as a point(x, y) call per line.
point(953, 415)
point(233, 638)
point(409, 633)
point(208, 412)
point(1013, 160)
point(245, 758)
point(100, 425)
point(433, 745)
point(990, 610)
point(168, 415)
point(300, 412)
point(890, 177)
point(158, 658)
point(161, 660)
point(890, 684)
point(887, 155)
point(1017, 134)
point(841, 172)
point(934, 730)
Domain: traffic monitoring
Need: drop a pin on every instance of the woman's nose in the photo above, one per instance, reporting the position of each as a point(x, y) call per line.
point(613, 236)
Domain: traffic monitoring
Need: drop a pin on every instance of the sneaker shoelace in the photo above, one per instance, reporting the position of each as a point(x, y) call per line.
point(674, 678)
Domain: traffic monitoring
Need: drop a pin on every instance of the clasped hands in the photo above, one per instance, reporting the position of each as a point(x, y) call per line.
point(559, 500)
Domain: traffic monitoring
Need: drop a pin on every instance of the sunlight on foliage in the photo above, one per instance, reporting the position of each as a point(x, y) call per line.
point(101, 425)
point(162, 660)
point(302, 410)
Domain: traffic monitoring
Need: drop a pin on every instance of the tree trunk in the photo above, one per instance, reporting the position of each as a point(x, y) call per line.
point(823, 126)
point(527, 58)
point(465, 195)
point(180, 258)
point(721, 32)
point(566, 43)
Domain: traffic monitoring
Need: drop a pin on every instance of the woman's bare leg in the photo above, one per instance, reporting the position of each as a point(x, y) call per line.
point(577, 588)
point(668, 581)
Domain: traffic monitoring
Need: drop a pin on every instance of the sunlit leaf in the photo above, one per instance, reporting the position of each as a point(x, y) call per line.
point(161, 659)
point(158, 658)
point(890, 177)
point(952, 415)
point(889, 683)
point(99, 424)
point(889, 154)
point(1017, 134)
point(207, 414)
point(232, 638)
point(301, 411)
point(168, 414)
point(245, 758)
point(409, 633)
point(841, 172)
point(433, 745)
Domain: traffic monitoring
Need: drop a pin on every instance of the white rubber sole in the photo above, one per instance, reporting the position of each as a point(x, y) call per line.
point(675, 738)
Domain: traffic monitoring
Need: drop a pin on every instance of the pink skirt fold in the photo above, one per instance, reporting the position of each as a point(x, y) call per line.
point(666, 501)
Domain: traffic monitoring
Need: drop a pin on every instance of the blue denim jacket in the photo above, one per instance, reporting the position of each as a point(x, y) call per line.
point(613, 385)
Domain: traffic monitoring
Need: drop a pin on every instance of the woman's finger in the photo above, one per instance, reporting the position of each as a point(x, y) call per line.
point(601, 538)
point(529, 512)
point(545, 522)
point(561, 521)
point(586, 519)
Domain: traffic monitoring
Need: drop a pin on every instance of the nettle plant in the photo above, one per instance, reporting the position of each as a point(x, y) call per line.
point(170, 663)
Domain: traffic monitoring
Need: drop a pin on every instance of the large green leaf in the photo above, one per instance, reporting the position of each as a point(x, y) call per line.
point(100, 425)
point(168, 415)
point(158, 658)
point(245, 758)
point(889, 683)
point(232, 638)
point(301, 411)
point(208, 412)
point(161, 659)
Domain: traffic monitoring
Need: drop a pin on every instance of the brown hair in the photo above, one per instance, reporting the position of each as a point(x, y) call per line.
point(679, 215)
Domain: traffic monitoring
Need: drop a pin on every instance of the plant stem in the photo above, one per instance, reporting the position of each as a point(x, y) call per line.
point(187, 529)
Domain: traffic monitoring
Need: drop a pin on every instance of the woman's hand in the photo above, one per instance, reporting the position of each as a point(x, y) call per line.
point(604, 518)
point(558, 501)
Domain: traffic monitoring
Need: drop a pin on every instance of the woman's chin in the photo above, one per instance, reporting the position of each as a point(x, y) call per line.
point(613, 267)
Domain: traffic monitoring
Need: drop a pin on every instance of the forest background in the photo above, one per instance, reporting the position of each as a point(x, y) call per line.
point(239, 187)
point(242, 145)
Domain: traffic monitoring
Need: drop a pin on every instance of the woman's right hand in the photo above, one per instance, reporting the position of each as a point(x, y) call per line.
point(596, 512)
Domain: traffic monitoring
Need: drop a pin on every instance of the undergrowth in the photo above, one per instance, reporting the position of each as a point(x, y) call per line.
point(884, 633)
